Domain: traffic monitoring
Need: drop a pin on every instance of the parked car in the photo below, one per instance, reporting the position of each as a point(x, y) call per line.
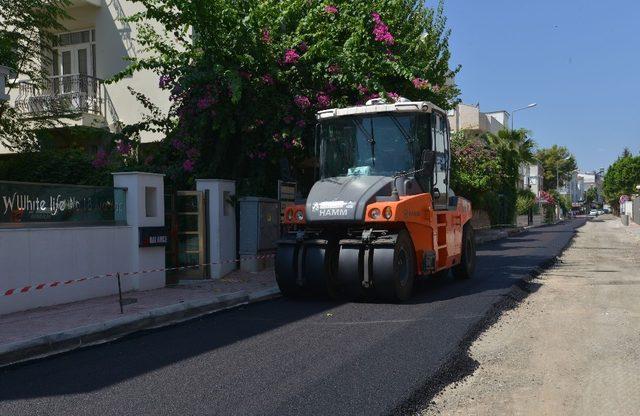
point(600, 212)
point(593, 213)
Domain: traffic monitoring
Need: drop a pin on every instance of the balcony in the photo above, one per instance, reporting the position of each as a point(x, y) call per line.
point(62, 96)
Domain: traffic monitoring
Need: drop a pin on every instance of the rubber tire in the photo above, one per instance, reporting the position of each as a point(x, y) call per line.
point(319, 269)
point(467, 265)
point(286, 269)
point(349, 275)
point(389, 266)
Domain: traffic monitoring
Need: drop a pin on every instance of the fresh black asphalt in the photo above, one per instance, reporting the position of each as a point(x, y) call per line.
point(282, 357)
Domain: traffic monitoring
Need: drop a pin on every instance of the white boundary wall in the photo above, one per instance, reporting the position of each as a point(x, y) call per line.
point(29, 256)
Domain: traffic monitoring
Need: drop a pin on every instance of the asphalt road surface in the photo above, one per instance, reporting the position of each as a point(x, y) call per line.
point(282, 357)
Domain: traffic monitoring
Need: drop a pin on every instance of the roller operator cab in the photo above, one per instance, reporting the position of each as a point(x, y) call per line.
point(382, 213)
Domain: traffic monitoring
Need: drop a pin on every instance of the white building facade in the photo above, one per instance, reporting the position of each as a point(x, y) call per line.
point(93, 48)
point(531, 177)
point(471, 119)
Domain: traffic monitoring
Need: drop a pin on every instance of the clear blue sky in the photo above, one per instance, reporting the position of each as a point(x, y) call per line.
point(578, 59)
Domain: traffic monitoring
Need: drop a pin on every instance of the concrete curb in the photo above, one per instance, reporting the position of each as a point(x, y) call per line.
point(102, 332)
point(498, 235)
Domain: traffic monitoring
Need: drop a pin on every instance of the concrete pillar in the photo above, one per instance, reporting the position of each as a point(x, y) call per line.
point(221, 235)
point(145, 208)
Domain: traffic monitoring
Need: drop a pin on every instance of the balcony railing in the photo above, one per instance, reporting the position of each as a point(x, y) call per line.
point(62, 95)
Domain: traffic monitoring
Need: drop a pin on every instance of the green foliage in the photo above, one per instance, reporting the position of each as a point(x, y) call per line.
point(70, 166)
point(245, 87)
point(525, 201)
point(590, 196)
point(475, 169)
point(621, 178)
point(549, 214)
point(556, 159)
point(512, 148)
point(486, 171)
point(26, 37)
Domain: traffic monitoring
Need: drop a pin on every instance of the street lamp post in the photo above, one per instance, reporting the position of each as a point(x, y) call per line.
point(513, 113)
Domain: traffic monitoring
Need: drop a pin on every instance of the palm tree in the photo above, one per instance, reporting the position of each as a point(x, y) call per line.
point(512, 147)
point(515, 144)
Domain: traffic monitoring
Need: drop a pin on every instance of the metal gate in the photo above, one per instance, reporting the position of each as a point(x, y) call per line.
point(187, 224)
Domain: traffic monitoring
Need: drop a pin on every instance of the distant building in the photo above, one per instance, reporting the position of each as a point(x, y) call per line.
point(470, 119)
point(593, 179)
point(581, 182)
point(531, 177)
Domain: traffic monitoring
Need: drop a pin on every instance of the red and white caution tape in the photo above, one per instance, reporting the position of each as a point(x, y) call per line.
point(41, 286)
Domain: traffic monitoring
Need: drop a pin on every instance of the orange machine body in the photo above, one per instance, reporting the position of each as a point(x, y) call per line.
point(431, 230)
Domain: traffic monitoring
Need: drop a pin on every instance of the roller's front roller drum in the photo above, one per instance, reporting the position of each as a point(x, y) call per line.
point(349, 275)
point(319, 268)
point(286, 268)
point(393, 269)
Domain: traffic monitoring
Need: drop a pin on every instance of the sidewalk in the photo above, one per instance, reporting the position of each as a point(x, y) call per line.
point(42, 331)
point(571, 346)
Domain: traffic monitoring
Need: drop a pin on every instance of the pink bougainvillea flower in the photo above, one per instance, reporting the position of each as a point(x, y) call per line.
point(187, 166)
point(323, 100)
point(362, 89)
point(302, 101)
point(193, 153)
point(330, 9)
point(164, 81)
point(266, 36)
point(420, 83)
point(291, 57)
point(381, 30)
point(177, 144)
point(393, 95)
point(101, 159)
point(268, 79)
point(301, 123)
point(333, 69)
point(123, 148)
point(204, 103)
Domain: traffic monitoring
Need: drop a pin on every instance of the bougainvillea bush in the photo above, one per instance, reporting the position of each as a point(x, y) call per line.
point(475, 168)
point(246, 77)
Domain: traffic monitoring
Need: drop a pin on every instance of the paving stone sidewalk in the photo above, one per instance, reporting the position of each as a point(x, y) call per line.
point(50, 329)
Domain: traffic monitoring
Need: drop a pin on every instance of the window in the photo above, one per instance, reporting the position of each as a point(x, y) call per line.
point(75, 54)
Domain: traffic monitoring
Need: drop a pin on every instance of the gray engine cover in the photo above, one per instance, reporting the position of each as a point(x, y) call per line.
point(344, 198)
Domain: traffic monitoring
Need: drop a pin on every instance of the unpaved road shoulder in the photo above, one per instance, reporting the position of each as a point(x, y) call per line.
point(572, 347)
